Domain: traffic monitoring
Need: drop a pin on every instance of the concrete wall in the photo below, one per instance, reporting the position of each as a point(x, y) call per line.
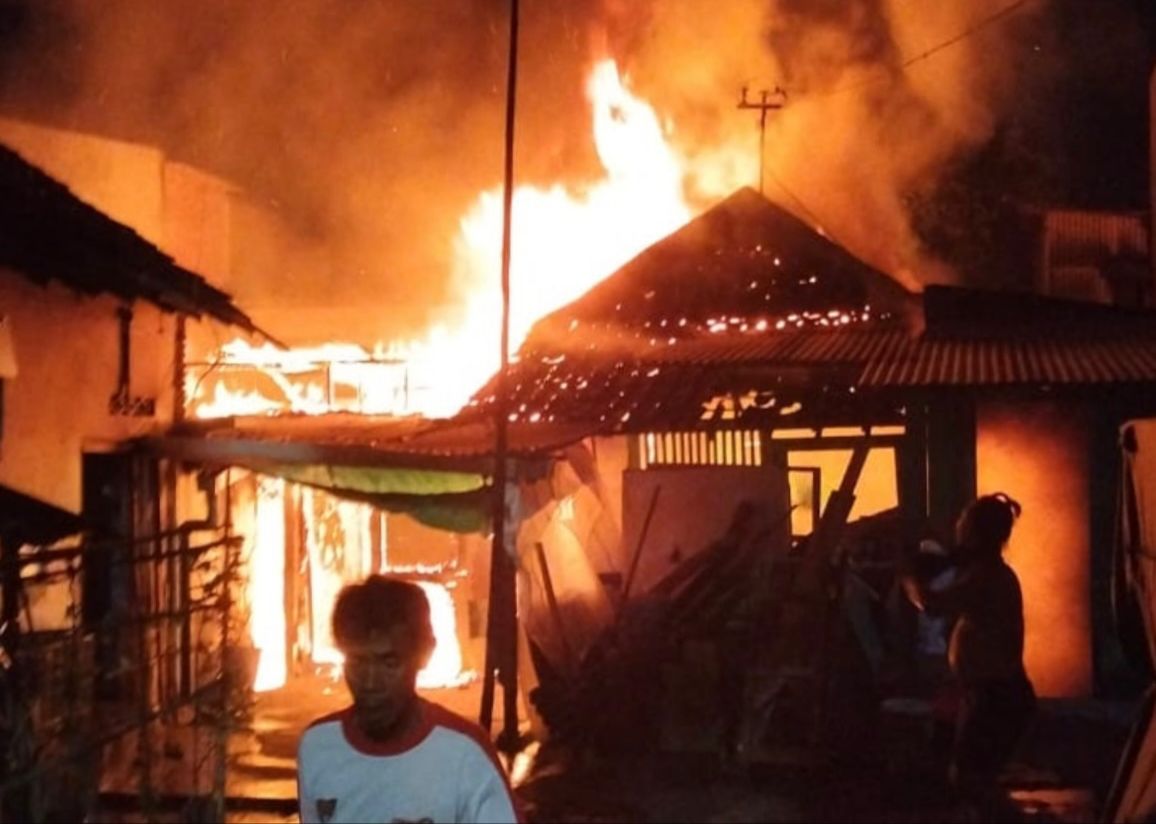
point(67, 345)
point(67, 352)
point(1039, 454)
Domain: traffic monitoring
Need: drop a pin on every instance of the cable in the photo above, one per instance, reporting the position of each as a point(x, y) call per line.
point(966, 33)
point(798, 200)
point(983, 23)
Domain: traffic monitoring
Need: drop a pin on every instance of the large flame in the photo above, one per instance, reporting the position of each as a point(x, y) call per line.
point(340, 549)
point(266, 584)
point(565, 240)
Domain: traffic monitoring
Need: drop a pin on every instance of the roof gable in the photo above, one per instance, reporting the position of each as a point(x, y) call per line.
point(745, 259)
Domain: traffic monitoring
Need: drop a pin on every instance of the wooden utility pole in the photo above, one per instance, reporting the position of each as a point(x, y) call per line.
point(502, 626)
point(768, 101)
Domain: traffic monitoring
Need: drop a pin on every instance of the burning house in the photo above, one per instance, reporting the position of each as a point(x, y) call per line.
point(740, 390)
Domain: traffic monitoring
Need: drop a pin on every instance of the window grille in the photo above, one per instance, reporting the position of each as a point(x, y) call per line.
point(738, 447)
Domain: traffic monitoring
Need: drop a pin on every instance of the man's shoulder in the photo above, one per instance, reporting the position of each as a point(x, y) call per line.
point(320, 729)
point(462, 729)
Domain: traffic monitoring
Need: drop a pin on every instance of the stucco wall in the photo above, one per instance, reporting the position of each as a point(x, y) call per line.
point(67, 353)
point(1039, 454)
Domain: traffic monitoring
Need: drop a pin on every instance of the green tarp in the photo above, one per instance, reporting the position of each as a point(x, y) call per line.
point(454, 501)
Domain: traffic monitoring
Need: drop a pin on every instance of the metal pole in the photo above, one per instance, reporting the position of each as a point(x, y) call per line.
point(765, 104)
point(763, 144)
point(501, 632)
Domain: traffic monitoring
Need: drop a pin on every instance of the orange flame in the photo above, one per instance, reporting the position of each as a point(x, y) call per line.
point(340, 550)
point(266, 584)
point(564, 242)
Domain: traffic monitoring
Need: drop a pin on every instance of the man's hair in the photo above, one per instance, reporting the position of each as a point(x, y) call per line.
point(989, 520)
point(377, 605)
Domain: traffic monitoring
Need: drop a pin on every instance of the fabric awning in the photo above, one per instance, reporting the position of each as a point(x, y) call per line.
point(438, 472)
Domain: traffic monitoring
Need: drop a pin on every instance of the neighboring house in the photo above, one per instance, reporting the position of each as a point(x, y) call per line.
point(91, 354)
point(1096, 256)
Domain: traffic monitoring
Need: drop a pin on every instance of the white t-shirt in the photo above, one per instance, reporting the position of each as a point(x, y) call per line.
point(444, 771)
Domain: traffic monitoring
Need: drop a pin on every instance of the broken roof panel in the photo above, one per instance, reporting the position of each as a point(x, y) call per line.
point(48, 233)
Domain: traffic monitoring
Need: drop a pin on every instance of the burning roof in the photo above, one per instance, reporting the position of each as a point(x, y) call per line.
point(746, 312)
point(637, 348)
point(47, 233)
point(743, 262)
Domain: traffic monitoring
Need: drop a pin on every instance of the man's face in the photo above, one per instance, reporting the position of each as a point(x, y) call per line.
point(381, 673)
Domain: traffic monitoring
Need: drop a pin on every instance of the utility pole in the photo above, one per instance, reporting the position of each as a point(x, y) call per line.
point(502, 626)
point(768, 101)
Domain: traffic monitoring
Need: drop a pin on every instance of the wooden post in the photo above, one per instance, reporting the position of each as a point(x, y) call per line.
point(634, 559)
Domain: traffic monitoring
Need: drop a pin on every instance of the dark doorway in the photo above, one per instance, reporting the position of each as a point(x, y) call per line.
point(108, 581)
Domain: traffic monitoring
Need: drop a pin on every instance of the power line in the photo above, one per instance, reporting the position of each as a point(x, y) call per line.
point(976, 27)
point(979, 25)
point(798, 200)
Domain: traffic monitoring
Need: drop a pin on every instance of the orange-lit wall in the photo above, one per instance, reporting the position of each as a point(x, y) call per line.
point(121, 179)
point(67, 346)
point(67, 353)
point(1038, 453)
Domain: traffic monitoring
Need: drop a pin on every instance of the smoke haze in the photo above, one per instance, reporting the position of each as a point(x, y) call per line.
point(372, 126)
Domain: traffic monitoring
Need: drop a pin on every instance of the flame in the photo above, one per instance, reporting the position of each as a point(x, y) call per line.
point(445, 666)
point(266, 584)
point(340, 549)
point(565, 240)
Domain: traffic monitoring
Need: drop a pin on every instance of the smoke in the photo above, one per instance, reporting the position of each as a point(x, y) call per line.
point(368, 126)
point(865, 120)
point(372, 126)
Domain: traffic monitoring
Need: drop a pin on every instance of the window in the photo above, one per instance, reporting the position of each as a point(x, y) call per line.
point(739, 447)
point(812, 471)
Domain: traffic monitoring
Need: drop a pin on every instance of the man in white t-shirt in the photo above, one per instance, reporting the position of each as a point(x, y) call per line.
point(392, 756)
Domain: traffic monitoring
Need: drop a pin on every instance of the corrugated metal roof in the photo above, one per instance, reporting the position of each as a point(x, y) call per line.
point(47, 233)
point(1075, 236)
point(987, 363)
point(970, 340)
